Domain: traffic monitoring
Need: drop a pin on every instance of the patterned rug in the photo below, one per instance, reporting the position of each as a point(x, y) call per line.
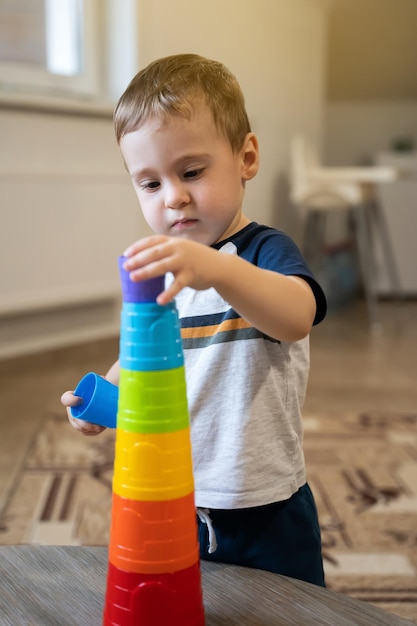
point(362, 469)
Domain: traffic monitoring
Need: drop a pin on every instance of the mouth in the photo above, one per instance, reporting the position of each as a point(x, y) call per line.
point(184, 223)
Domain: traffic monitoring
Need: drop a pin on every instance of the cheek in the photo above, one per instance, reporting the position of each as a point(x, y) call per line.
point(222, 201)
point(146, 207)
point(154, 216)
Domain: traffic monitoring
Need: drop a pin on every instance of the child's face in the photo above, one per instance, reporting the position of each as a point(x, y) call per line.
point(188, 180)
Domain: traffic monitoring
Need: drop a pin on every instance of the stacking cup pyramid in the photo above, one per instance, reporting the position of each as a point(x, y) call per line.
point(154, 569)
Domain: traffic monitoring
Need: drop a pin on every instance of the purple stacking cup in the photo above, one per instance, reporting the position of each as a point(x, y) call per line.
point(142, 291)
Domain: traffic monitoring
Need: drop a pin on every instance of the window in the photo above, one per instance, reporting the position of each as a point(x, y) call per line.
point(67, 48)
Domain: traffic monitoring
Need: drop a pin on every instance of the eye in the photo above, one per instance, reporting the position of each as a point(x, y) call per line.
point(150, 185)
point(193, 173)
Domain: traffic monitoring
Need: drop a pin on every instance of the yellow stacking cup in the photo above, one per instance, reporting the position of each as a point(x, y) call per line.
point(153, 466)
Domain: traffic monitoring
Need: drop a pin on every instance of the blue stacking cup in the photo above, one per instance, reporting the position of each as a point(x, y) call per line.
point(100, 399)
point(150, 337)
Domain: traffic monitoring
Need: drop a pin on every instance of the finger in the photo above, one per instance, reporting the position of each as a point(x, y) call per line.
point(163, 298)
point(68, 399)
point(85, 427)
point(170, 292)
point(143, 244)
point(152, 265)
point(150, 262)
point(149, 271)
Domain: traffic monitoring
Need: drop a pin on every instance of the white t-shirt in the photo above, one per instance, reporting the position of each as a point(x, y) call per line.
point(245, 390)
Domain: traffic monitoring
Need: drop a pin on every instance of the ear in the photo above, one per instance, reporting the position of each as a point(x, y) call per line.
point(250, 156)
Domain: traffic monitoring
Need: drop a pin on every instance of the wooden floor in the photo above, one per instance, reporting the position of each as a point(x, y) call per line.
point(355, 369)
point(351, 369)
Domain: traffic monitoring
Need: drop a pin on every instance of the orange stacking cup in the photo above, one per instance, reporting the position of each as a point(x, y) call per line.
point(153, 537)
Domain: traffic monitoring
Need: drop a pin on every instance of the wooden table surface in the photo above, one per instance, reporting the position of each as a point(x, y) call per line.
point(65, 586)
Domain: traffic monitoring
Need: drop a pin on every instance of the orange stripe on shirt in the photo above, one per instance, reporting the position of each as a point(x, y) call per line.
point(210, 331)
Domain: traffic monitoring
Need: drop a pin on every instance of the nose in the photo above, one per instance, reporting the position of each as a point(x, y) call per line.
point(176, 195)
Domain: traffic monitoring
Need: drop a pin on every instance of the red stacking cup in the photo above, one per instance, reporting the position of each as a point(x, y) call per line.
point(159, 599)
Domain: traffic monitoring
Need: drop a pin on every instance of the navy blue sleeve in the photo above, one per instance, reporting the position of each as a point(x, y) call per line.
point(274, 250)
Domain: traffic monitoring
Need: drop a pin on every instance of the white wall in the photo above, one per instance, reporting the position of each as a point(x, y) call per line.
point(357, 131)
point(68, 210)
point(66, 201)
point(371, 67)
point(68, 204)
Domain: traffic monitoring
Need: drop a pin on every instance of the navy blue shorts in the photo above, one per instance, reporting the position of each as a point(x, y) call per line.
point(283, 537)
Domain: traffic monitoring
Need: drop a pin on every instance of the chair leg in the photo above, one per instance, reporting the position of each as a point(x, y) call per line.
point(389, 258)
point(313, 241)
point(367, 263)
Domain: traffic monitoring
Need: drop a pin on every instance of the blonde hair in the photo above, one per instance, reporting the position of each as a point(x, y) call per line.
point(175, 85)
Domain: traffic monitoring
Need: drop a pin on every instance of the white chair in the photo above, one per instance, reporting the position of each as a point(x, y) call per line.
point(318, 191)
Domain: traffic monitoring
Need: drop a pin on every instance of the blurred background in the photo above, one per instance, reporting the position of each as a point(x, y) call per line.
point(339, 75)
point(340, 72)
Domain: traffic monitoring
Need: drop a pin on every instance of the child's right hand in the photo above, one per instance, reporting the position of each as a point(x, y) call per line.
point(68, 399)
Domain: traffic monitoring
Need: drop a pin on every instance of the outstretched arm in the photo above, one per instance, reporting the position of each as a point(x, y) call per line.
point(282, 307)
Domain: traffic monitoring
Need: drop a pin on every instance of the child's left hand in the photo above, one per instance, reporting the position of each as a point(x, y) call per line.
point(192, 264)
